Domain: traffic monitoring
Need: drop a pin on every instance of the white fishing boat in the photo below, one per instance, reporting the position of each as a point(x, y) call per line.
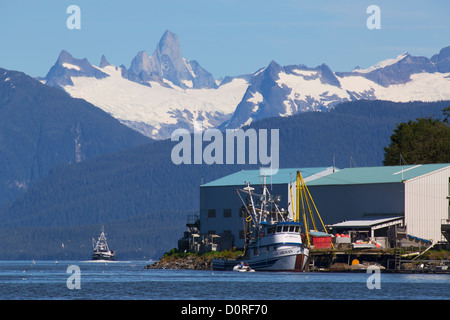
point(273, 239)
point(101, 249)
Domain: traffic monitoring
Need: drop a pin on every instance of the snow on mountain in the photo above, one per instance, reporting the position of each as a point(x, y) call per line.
point(165, 91)
point(157, 94)
point(382, 64)
point(283, 91)
point(67, 67)
point(157, 109)
point(398, 70)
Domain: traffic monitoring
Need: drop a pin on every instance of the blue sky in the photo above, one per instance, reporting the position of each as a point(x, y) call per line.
point(226, 37)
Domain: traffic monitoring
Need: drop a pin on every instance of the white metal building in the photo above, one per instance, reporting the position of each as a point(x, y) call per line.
point(418, 193)
point(428, 203)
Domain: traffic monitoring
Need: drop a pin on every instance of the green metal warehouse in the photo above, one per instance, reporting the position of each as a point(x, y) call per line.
point(420, 194)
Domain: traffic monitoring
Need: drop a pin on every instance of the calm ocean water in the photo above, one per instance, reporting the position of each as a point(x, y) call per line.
point(46, 280)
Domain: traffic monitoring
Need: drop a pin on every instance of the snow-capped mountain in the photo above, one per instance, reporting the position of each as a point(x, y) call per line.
point(165, 91)
point(283, 91)
point(156, 95)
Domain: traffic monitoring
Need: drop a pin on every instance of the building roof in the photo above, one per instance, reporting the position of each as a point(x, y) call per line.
point(370, 175)
point(283, 176)
point(366, 223)
point(320, 176)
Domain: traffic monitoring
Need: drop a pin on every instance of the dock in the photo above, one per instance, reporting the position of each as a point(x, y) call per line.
point(388, 260)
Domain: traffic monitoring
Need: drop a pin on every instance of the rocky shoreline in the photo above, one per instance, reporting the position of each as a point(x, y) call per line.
point(190, 262)
point(181, 261)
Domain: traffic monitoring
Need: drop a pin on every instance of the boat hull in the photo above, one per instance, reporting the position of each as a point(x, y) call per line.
point(292, 260)
point(102, 256)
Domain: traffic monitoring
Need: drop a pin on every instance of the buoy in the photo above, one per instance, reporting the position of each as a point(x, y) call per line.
point(355, 261)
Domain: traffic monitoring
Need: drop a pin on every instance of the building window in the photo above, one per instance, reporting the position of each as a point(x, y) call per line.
point(211, 213)
point(227, 213)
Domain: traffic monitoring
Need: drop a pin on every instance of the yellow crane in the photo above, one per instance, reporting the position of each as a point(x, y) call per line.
point(307, 204)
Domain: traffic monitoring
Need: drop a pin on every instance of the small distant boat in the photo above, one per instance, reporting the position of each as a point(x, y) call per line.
point(242, 268)
point(101, 249)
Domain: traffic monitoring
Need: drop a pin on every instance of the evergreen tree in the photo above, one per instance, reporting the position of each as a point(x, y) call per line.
point(425, 140)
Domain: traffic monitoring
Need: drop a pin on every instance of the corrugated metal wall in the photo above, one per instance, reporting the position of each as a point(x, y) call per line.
point(215, 200)
point(358, 201)
point(426, 204)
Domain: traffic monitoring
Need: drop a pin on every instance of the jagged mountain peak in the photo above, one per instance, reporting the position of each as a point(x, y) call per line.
point(167, 59)
point(66, 66)
point(442, 60)
point(167, 63)
point(104, 62)
point(274, 65)
point(67, 60)
point(169, 44)
point(64, 56)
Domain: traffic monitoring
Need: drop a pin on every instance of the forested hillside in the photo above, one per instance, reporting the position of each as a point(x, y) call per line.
point(41, 127)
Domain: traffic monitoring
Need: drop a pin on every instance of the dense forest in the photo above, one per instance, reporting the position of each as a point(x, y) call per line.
point(143, 199)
